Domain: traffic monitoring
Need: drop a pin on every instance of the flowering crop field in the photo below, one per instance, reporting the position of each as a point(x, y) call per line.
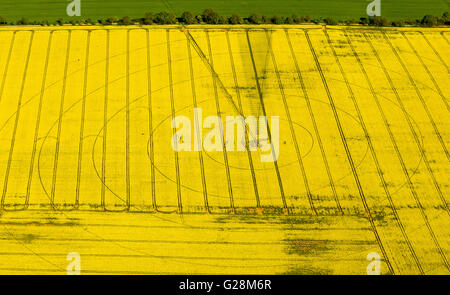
point(88, 165)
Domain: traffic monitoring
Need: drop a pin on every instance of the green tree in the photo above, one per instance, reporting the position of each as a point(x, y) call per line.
point(210, 16)
point(147, 19)
point(364, 21)
point(236, 19)
point(298, 19)
point(379, 21)
point(126, 21)
point(223, 20)
point(398, 23)
point(429, 21)
point(23, 21)
point(277, 20)
point(289, 20)
point(266, 20)
point(255, 18)
point(3, 21)
point(165, 18)
point(330, 21)
point(188, 18)
point(410, 21)
point(199, 18)
point(112, 20)
point(445, 15)
point(446, 18)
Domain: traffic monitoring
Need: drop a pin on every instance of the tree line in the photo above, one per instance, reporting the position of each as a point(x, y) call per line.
point(209, 16)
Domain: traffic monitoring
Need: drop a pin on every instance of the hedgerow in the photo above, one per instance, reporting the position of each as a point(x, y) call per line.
point(209, 16)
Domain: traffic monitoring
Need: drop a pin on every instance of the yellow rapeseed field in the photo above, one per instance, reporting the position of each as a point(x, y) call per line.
point(88, 165)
